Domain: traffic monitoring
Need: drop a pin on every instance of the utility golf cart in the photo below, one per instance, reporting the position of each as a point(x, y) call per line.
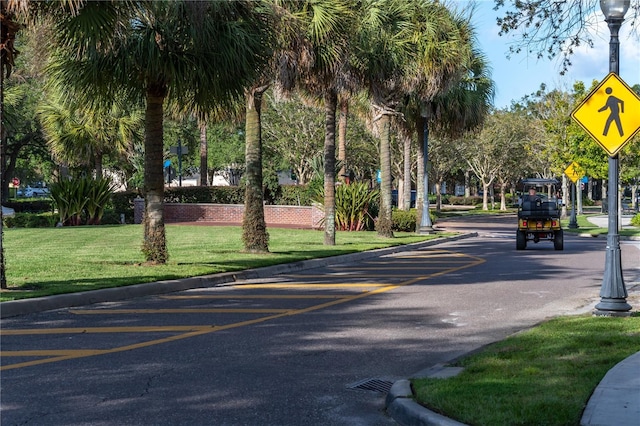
point(539, 214)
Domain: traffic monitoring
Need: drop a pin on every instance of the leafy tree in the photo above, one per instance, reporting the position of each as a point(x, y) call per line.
point(548, 28)
point(294, 132)
point(195, 53)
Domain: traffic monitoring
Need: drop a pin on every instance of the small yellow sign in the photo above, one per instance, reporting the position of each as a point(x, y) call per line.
point(610, 114)
point(574, 172)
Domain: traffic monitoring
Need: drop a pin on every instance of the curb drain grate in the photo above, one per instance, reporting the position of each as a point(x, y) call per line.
point(372, 385)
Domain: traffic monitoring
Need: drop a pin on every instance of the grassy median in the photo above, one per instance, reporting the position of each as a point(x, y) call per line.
point(45, 261)
point(543, 376)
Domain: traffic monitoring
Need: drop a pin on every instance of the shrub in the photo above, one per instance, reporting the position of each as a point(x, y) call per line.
point(353, 207)
point(30, 220)
point(404, 220)
point(205, 194)
point(82, 198)
point(407, 221)
point(466, 201)
point(635, 221)
point(122, 202)
point(294, 195)
point(30, 206)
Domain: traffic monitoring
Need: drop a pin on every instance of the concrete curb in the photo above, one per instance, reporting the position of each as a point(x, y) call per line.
point(401, 406)
point(39, 304)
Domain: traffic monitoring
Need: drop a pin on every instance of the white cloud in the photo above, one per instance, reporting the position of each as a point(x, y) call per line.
point(593, 63)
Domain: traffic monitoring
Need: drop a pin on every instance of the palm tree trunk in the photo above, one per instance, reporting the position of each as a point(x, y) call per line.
point(330, 105)
point(98, 164)
point(406, 204)
point(155, 243)
point(342, 136)
point(204, 171)
point(254, 227)
point(384, 224)
point(419, 171)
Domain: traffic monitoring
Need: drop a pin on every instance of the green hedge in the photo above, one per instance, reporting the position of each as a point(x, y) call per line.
point(30, 206)
point(466, 201)
point(407, 220)
point(31, 220)
point(635, 221)
point(286, 195)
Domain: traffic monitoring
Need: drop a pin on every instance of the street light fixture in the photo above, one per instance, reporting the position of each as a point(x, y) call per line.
point(613, 293)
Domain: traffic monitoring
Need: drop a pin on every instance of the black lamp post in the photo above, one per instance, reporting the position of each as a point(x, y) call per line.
point(573, 222)
point(613, 293)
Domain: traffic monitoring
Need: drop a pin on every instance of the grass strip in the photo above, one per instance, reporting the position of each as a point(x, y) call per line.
point(542, 376)
point(46, 261)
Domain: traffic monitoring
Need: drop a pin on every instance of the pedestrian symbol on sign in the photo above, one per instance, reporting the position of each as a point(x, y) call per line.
point(617, 107)
point(612, 101)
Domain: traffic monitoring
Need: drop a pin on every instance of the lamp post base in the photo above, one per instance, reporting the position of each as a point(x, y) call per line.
point(609, 307)
point(426, 230)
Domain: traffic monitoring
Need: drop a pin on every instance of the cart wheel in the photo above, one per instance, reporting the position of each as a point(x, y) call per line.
point(558, 240)
point(521, 240)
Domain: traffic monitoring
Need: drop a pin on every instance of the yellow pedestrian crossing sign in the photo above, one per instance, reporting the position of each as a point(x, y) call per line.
point(610, 114)
point(574, 172)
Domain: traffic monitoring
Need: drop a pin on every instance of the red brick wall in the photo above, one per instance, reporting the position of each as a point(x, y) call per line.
point(277, 216)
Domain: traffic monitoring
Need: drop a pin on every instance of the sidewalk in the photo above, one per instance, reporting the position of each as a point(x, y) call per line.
point(602, 221)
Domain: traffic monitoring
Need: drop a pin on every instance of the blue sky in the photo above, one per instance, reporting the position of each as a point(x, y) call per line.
point(522, 75)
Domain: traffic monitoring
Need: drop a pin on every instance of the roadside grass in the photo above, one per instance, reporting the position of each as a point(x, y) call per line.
point(46, 261)
point(542, 376)
point(586, 227)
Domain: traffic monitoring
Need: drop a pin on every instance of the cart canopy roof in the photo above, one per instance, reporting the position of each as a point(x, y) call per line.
point(531, 182)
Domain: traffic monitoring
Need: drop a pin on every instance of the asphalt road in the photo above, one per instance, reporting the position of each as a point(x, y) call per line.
point(318, 347)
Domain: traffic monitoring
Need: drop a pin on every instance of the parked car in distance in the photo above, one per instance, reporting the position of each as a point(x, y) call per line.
point(34, 192)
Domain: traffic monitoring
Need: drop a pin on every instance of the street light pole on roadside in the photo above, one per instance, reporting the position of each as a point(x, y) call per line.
point(426, 227)
point(613, 293)
point(573, 222)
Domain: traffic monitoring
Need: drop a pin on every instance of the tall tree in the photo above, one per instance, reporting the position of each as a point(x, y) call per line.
point(548, 28)
point(198, 53)
point(78, 136)
point(327, 26)
point(384, 49)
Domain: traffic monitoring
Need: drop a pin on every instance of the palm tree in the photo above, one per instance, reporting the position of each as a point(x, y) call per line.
point(453, 88)
point(384, 48)
point(194, 53)
point(326, 26)
point(78, 136)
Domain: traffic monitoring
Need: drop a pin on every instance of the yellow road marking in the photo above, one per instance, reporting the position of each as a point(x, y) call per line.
point(393, 268)
point(62, 355)
point(92, 330)
point(259, 296)
point(304, 285)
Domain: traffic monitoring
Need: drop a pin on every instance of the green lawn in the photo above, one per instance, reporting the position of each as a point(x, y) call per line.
point(44, 261)
point(586, 227)
point(543, 376)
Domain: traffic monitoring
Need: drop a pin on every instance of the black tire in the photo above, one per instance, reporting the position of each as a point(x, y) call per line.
point(558, 240)
point(521, 240)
